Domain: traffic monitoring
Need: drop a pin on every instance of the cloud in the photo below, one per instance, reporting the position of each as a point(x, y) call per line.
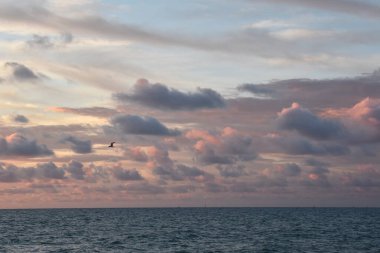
point(231, 171)
point(306, 123)
point(290, 170)
point(317, 176)
point(75, 169)
point(319, 93)
point(133, 124)
point(49, 170)
point(354, 126)
point(161, 97)
point(244, 42)
point(77, 145)
point(258, 90)
point(182, 189)
point(243, 187)
point(21, 72)
point(145, 188)
point(301, 146)
point(126, 175)
point(18, 145)
point(47, 42)
point(367, 111)
point(365, 177)
point(87, 111)
point(226, 147)
point(20, 118)
point(215, 187)
point(353, 7)
point(10, 173)
point(39, 41)
point(181, 172)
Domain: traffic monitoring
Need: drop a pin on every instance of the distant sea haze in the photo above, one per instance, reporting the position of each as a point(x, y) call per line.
point(191, 230)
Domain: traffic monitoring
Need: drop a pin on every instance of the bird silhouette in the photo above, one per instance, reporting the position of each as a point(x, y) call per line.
point(111, 145)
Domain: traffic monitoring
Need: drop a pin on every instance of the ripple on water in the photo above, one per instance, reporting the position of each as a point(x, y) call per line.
point(191, 230)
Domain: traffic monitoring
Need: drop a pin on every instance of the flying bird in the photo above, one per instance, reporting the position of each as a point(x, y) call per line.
point(111, 145)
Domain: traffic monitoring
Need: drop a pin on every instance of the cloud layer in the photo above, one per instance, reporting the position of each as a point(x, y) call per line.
point(161, 97)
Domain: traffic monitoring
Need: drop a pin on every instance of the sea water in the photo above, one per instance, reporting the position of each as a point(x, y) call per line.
point(191, 230)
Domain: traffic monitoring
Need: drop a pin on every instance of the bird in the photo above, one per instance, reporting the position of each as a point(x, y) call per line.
point(111, 145)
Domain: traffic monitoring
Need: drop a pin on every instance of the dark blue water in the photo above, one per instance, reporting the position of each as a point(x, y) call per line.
point(191, 230)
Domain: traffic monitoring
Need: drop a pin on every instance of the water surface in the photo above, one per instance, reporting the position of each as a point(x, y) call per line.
point(191, 230)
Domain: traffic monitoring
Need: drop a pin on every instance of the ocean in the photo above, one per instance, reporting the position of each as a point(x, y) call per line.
point(191, 230)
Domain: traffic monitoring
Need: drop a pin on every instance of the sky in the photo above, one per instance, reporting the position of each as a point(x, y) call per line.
point(210, 103)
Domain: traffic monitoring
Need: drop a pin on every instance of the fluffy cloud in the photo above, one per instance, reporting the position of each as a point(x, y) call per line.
point(363, 178)
point(18, 145)
point(21, 72)
point(231, 170)
point(161, 97)
point(317, 176)
point(20, 118)
point(126, 175)
point(133, 124)
point(75, 169)
point(12, 173)
point(367, 110)
point(301, 146)
point(79, 146)
point(308, 124)
point(317, 93)
point(181, 172)
point(226, 147)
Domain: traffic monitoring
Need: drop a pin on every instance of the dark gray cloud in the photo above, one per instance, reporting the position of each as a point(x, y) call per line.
point(302, 146)
point(317, 176)
point(291, 170)
point(190, 172)
point(308, 124)
point(77, 145)
point(215, 187)
point(11, 173)
point(20, 118)
point(167, 173)
point(364, 178)
point(231, 170)
point(318, 93)
point(180, 172)
point(126, 175)
point(133, 124)
point(21, 72)
point(161, 97)
point(19, 145)
point(182, 189)
point(76, 170)
point(208, 156)
point(50, 170)
point(315, 163)
point(239, 146)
